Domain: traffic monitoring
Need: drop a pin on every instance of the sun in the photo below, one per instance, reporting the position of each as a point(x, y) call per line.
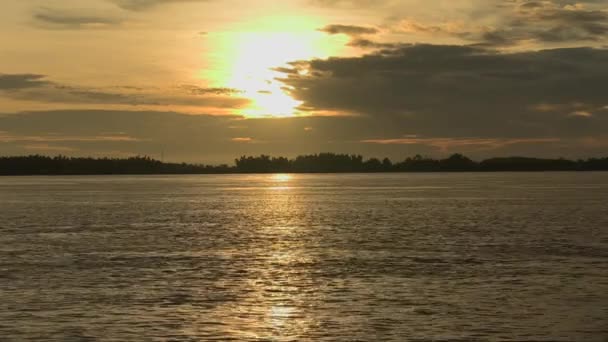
point(252, 72)
point(247, 60)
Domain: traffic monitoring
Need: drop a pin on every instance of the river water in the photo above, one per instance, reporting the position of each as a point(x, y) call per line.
point(383, 257)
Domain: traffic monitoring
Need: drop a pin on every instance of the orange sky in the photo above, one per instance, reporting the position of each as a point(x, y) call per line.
point(253, 60)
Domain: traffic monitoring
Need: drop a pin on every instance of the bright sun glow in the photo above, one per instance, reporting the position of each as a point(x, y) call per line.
point(248, 56)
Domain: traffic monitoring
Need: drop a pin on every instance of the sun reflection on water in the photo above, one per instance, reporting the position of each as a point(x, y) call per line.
point(281, 177)
point(280, 181)
point(280, 294)
point(265, 291)
point(280, 315)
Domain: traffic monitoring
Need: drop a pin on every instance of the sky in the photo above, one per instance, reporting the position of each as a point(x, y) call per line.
point(210, 80)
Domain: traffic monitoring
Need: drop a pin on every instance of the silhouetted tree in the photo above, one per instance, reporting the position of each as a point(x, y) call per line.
point(372, 165)
point(322, 162)
point(419, 164)
point(457, 162)
point(387, 165)
point(60, 165)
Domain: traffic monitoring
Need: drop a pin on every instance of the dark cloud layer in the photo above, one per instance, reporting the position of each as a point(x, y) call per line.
point(463, 91)
point(182, 137)
point(214, 139)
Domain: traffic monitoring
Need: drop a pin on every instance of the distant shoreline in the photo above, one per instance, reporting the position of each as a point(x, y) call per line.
point(292, 173)
point(37, 165)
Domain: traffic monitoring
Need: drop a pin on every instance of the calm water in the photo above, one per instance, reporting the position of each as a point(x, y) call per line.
point(418, 257)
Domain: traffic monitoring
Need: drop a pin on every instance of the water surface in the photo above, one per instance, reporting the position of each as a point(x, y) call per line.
point(402, 257)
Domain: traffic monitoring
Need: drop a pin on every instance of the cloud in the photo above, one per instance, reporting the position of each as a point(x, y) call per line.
point(573, 109)
point(461, 91)
point(414, 26)
point(446, 144)
point(241, 139)
point(355, 33)
point(582, 113)
point(350, 30)
point(548, 22)
point(370, 44)
point(348, 3)
point(34, 87)
point(47, 148)
point(196, 90)
point(140, 5)
point(4, 137)
point(70, 19)
point(512, 23)
point(21, 81)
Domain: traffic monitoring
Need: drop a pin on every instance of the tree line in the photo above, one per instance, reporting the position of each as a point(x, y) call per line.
point(313, 163)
